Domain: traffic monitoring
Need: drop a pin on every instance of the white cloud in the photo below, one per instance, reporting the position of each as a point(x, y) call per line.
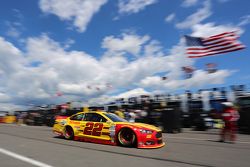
point(127, 43)
point(8, 53)
point(188, 3)
point(78, 11)
point(223, 1)
point(103, 99)
point(199, 79)
point(11, 107)
point(47, 68)
point(209, 29)
point(244, 20)
point(133, 6)
point(170, 17)
point(133, 93)
point(4, 97)
point(152, 81)
point(68, 43)
point(196, 17)
point(153, 48)
point(13, 32)
point(169, 85)
point(15, 26)
point(14, 29)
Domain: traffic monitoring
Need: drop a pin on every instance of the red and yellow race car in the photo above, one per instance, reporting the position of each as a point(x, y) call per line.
point(107, 128)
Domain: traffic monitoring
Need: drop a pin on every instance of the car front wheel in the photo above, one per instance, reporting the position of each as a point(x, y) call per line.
point(127, 137)
point(69, 133)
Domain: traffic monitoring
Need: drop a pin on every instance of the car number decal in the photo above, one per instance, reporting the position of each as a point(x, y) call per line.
point(93, 129)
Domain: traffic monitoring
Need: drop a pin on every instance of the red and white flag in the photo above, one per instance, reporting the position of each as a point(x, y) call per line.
point(211, 67)
point(59, 93)
point(217, 44)
point(188, 71)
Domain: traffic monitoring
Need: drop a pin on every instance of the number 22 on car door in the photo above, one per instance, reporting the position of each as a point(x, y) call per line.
point(93, 129)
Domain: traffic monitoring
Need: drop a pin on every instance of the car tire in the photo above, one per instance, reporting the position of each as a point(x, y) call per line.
point(126, 137)
point(68, 133)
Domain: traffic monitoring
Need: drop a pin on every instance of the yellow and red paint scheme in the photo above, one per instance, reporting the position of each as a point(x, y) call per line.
point(109, 129)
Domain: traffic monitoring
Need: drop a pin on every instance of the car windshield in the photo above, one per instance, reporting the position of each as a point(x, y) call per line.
point(115, 118)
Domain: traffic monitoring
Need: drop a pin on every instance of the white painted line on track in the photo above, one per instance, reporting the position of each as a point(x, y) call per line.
point(199, 139)
point(23, 158)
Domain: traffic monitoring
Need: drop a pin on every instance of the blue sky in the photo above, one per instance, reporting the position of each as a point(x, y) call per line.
point(95, 51)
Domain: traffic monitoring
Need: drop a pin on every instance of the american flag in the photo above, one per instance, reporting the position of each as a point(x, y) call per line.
point(164, 78)
point(217, 44)
point(211, 67)
point(188, 71)
point(59, 93)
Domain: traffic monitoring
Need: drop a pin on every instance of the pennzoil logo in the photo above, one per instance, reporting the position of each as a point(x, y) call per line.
point(74, 122)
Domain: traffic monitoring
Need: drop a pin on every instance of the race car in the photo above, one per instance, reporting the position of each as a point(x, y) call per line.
point(107, 128)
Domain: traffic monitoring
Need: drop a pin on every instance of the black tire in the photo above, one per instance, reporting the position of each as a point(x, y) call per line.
point(68, 133)
point(126, 137)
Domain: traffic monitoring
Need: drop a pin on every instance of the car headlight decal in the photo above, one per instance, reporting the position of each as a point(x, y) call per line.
point(63, 122)
point(144, 131)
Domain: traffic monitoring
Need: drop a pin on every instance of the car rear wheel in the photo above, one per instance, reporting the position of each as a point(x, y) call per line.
point(69, 133)
point(127, 137)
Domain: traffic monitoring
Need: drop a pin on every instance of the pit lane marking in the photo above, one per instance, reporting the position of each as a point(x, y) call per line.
point(199, 139)
point(23, 158)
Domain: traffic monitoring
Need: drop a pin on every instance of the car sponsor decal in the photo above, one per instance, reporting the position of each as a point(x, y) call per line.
point(77, 127)
point(106, 133)
point(106, 127)
point(112, 133)
point(74, 122)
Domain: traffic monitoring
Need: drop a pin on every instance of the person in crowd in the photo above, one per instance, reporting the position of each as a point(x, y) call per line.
point(230, 117)
point(150, 110)
point(120, 113)
point(132, 116)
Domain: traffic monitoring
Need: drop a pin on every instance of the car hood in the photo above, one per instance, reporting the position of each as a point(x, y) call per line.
point(140, 125)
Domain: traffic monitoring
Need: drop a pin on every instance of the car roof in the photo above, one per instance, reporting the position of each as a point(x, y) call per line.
point(99, 112)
